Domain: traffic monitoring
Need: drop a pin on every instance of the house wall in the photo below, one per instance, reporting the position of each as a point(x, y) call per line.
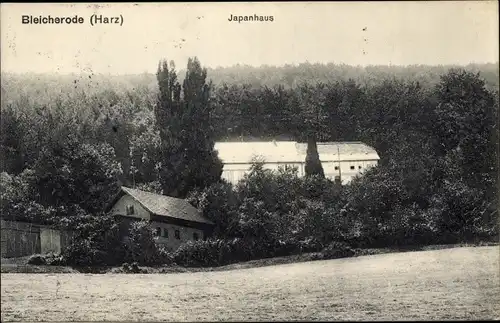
point(20, 239)
point(186, 234)
point(120, 208)
point(344, 168)
point(235, 172)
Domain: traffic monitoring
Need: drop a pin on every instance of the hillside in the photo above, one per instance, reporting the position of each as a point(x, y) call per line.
point(461, 284)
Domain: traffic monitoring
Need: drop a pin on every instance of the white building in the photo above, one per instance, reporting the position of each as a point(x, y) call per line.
point(340, 160)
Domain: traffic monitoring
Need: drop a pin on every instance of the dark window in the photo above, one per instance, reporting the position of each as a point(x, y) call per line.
point(158, 231)
point(360, 167)
point(195, 236)
point(177, 234)
point(130, 209)
point(336, 167)
point(165, 232)
point(352, 167)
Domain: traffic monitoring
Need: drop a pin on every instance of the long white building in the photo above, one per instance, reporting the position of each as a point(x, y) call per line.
point(340, 160)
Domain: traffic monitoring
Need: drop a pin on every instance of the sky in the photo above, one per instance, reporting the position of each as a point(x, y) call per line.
point(354, 33)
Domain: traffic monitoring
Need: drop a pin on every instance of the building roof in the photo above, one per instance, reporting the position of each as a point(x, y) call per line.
point(348, 150)
point(244, 152)
point(167, 206)
point(291, 151)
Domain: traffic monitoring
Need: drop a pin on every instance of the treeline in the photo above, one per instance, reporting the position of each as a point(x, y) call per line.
point(287, 76)
point(67, 146)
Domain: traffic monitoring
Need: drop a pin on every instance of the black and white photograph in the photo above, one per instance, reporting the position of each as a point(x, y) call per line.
point(250, 161)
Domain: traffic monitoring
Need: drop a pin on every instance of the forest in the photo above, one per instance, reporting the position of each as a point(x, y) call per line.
point(69, 141)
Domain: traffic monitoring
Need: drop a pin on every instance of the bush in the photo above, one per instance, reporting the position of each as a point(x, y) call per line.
point(37, 260)
point(54, 259)
point(219, 252)
point(97, 241)
point(85, 253)
point(140, 244)
point(48, 259)
point(337, 250)
point(133, 268)
point(204, 253)
point(310, 245)
point(218, 203)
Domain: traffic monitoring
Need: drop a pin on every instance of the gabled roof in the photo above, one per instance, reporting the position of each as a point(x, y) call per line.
point(167, 206)
point(244, 152)
point(344, 150)
point(291, 151)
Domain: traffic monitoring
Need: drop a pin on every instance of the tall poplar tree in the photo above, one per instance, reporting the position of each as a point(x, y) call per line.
point(188, 156)
point(311, 100)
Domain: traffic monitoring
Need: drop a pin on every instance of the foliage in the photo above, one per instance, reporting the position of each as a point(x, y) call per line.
point(17, 200)
point(37, 260)
point(218, 203)
point(96, 241)
point(337, 250)
point(133, 268)
point(218, 252)
point(313, 164)
point(68, 142)
point(186, 134)
point(140, 244)
point(465, 120)
point(74, 173)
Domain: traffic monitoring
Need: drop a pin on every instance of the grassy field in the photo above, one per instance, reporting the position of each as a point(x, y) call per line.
point(460, 283)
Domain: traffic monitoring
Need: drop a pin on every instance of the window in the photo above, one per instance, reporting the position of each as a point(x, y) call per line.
point(158, 231)
point(352, 167)
point(195, 236)
point(336, 167)
point(165, 233)
point(359, 167)
point(177, 234)
point(130, 209)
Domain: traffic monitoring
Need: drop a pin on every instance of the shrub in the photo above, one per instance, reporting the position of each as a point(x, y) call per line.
point(37, 260)
point(96, 243)
point(218, 203)
point(337, 250)
point(140, 244)
point(54, 259)
point(85, 253)
point(218, 252)
point(314, 186)
point(132, 268)
point(311, 244)
point(212, 252)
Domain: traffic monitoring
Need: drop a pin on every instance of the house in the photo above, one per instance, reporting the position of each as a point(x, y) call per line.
point(174, 220)
point(341, 161)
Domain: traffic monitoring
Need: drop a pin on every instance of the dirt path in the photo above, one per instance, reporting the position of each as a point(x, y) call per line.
point(461, 283)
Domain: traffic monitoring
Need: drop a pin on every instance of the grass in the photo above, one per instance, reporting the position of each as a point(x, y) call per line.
point(459, 283)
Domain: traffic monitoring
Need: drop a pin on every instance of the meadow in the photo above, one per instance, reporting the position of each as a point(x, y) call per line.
point(459, 283)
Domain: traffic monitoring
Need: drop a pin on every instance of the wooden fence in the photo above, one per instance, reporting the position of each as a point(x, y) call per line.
point(20, 239)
